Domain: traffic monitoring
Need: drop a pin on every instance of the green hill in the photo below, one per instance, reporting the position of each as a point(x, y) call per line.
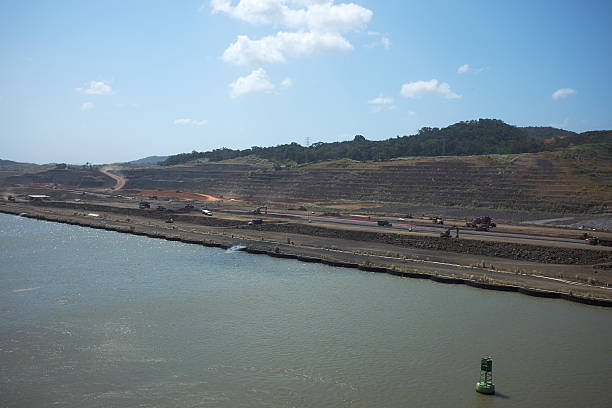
point(475, 137)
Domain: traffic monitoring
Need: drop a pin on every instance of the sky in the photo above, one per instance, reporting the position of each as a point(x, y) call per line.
point(112, 81)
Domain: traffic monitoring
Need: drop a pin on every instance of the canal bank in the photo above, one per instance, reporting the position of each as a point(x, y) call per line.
point(479, 276)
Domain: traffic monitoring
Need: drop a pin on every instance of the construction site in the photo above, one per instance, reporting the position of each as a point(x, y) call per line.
point(431, 227)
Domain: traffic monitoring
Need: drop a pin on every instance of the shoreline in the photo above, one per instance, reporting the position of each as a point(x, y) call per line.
point(312, 255)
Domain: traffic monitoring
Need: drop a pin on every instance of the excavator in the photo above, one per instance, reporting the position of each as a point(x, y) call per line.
point(447, 233)
point(260, 209)
point(437, 220)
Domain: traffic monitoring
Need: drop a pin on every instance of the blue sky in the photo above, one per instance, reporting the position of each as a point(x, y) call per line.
point(110, 81)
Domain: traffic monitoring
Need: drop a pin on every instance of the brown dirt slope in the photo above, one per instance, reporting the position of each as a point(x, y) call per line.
point(68, 177)
point(524, 182)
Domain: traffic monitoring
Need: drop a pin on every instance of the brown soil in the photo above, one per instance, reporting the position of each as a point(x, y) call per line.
point(182, 195)
point(532, 182)
point(119, 179)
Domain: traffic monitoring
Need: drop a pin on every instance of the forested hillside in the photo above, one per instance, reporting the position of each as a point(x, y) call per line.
point(484, 136)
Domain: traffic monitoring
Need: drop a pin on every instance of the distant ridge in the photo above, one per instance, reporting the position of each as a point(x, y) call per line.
point(13, 165)
point(148, 161)
point(474, 137)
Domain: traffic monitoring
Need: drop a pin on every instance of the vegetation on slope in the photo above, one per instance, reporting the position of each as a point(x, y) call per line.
point(484, 136)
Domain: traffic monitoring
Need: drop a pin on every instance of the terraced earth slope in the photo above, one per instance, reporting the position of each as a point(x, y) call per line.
point(543, 182)
point(68, 177)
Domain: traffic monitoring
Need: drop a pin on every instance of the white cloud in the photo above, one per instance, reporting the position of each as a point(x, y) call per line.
point(381, 101)
point(380, 108)
point(96, 88)
point(315, 26)
point(295, 14)
point(468, 68)
point(273, 49)
point(563, 93)
point(195, 122)
point(256, 81)
point(87, 106)
point(417, 89)
point(385, 42)
point(287, 82)
point(381, 104)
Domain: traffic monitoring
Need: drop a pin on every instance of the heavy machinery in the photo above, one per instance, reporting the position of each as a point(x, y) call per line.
point(447, 233)
point(437, 220)
point(481, 223)
point(260, 209)
point(593, 240)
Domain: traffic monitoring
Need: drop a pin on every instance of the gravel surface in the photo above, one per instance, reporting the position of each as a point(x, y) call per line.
point(536, 253)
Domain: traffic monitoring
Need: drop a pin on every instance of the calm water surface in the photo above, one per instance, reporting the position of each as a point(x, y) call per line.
point(93, 318)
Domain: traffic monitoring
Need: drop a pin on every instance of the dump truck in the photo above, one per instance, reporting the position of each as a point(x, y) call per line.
point(481, 223)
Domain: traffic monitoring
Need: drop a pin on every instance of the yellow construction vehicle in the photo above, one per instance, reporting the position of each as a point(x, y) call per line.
point(447, 233)
point(590, 239)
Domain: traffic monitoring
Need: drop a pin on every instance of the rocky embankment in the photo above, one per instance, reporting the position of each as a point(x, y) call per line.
point(524, 252)
point(515, 251)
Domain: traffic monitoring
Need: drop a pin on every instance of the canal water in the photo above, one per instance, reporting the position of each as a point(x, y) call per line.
point(92, 318)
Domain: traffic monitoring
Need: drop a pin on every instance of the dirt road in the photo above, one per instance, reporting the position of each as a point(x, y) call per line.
point(119, 179)
point(183, 195)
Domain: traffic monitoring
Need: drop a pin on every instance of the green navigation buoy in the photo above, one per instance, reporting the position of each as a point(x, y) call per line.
point(485, 385)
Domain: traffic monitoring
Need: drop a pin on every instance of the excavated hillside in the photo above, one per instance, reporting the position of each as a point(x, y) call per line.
point(67, 177)
point(540, 182)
